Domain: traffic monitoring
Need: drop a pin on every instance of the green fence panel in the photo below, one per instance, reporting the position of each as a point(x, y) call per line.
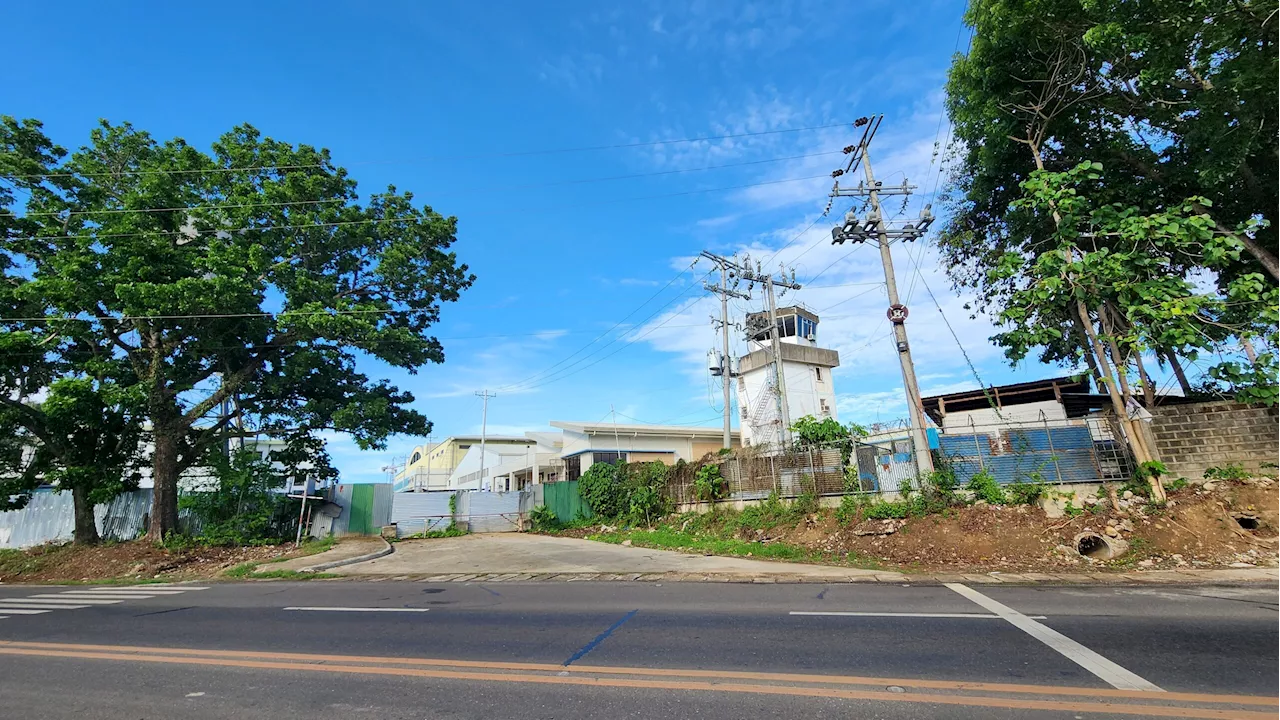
point(361, 522)
point(563, 499)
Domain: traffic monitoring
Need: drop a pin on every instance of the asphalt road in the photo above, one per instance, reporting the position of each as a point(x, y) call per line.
point(621, 650)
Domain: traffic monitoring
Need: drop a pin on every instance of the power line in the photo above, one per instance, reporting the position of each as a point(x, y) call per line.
point(628, 343)
point(504, 211)
point(521, 153)
point(548, 370)
point(484, 188)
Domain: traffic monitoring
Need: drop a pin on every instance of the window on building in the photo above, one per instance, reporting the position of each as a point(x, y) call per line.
point(788, 326)
point(824, 407)
point(806, 327)
point(608, 457)
point(818, 373)
point(573, 467)
point(416, 457)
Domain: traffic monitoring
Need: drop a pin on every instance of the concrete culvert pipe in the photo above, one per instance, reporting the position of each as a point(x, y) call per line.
point(1100, 547)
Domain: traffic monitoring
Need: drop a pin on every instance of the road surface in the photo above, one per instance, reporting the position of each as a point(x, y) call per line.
point(393, 650)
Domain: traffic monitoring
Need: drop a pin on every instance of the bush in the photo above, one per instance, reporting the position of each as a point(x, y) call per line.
point(543, 519)
point(1176, 485)
point(246, 508)
point(708, 484)
point(1234, 471)
point(1025, 493)
point(851, 507)
point(634, 492)
point(984, 487)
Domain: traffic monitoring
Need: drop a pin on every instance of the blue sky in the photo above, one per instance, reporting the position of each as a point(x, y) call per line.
point(445, 98)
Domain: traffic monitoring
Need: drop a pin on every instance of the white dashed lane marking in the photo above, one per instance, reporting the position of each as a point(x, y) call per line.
point(82, 598)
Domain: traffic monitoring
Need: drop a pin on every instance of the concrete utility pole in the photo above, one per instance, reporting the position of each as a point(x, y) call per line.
point(874, 227)
point(775, 342)
point(484, 426)
point(726, 361)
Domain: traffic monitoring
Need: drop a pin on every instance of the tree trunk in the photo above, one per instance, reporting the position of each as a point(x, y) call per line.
point(1178, 372)
point(164, 492)
point(86, 529)
point(1249, 352)
point(1148, 389)
point(1263, 256)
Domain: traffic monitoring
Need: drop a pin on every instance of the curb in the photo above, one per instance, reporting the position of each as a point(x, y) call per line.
point(352, 560)
point(1024, 579)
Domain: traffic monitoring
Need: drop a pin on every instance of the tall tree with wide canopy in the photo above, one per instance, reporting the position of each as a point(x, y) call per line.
point(252, 272)
point(1176, 99)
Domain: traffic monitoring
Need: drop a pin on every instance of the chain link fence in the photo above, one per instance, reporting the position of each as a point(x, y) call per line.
point(1089, 449)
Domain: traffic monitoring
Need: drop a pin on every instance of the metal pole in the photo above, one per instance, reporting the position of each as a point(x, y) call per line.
point(1052, 453)
point(976, 447)
point(725, 363)
point(484, 426)
point(924, 461)
point(784, 414)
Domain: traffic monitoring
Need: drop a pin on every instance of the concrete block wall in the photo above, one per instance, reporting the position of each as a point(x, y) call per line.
point(1193, 437)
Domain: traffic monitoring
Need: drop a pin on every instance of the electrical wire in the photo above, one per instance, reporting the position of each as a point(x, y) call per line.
point(504, 211)
point(521, 153)
point(484, 188)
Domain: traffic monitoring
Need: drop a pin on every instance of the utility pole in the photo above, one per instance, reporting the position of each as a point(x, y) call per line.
point(775, 342)
point(874, 227)
point(484, 426)
point(726, 362)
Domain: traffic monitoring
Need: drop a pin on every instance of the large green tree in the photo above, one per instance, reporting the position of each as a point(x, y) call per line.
point(1175, 98)
point(253, 272)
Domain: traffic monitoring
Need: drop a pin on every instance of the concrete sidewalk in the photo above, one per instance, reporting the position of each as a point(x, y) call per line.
point(518, 557)
point(347, 548)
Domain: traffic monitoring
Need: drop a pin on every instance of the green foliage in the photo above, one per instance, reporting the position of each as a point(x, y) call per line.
point(809, 432)
point(708, 484)
point(543, 519)
point(984, 487)
point(1176, 484)
point(1025, 493)
point(85, 434)
point(851, 507)
point(249, 571)
point(1233, 471)
point(1070, 509)
point(452, 531)
point(1154, 92)
point(266, 281)
point(632, 492)
point(245, 506)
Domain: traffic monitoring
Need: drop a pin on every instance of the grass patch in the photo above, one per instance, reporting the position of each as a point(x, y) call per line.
point(714, 537)
point(249, 571)
point(20, 562)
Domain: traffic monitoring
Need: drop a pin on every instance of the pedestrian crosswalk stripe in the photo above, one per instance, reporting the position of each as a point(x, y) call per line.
point(39, 605)
point(86, 601)
point(24, 611)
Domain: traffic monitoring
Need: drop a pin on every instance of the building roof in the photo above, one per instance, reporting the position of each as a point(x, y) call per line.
point(596, 428)
point(487, 439)
point(1003, 395)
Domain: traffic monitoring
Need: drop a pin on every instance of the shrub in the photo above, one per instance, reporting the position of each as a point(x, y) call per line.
point(984, 487)
point(708, 484)
point(806, 504)
point(1234, 471)
point(1176, 485)
point(245, 508)
point(1025, 493)
point(851, 507)
point(543, 519)
point(635, 492)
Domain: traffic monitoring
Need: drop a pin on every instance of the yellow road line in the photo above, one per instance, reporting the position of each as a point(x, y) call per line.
point(672, 672)
point(835, 693)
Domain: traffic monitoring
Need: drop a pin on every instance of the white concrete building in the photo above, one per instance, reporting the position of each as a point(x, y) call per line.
point(806, 374)
point(586, 443)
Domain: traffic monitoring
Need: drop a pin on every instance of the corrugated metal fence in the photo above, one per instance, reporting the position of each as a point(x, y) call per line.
point(50, 517)
point(563, 499)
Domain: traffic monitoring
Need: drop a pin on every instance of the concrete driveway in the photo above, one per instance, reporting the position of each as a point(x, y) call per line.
point(538, 554)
